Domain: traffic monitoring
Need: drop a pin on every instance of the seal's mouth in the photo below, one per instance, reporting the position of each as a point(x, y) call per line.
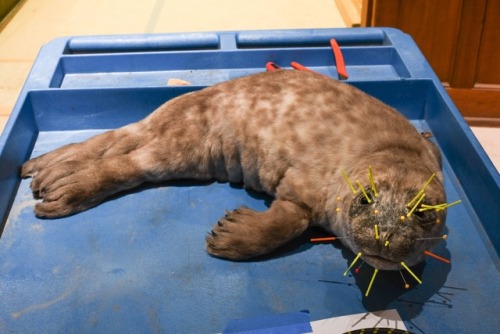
point(381, 262)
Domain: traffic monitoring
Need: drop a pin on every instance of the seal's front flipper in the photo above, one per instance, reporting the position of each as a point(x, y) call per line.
point(244, 233)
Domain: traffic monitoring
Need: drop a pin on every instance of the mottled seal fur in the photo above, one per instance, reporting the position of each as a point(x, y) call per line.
point(289, 134)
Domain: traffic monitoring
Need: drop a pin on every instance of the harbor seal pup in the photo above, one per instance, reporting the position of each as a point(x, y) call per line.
point(289, 134)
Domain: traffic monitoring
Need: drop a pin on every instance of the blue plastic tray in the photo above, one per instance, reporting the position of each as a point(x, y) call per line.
point(137, 262)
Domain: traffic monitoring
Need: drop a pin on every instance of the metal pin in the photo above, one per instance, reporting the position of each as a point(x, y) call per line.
point(353, 262)
point(371, 282)
point(411, 273)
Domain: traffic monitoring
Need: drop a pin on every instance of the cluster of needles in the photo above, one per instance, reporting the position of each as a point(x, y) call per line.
point(415, 205)
point(337, 54)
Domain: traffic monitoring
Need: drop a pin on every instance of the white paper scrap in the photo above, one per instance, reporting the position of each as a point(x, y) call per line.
point(380, 319)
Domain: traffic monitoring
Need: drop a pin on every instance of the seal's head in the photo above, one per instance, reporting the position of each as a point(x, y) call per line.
point(388, 222)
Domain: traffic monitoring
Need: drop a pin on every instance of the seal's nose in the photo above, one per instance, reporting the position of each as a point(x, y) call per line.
point(394, 239)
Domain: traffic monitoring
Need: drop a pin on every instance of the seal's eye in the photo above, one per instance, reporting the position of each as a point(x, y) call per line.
point(365, 198)
point(419, 214)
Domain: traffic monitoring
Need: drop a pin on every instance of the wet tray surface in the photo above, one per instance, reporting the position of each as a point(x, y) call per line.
point(136, 263)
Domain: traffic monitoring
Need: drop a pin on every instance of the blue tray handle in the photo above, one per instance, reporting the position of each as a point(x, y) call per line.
point(312, 37)
point(140, 43)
